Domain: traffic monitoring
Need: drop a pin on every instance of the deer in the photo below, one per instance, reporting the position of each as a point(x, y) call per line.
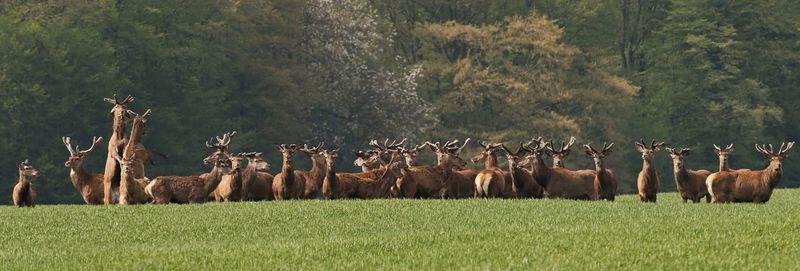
point(754, 186)
point(230, 187)
point(691, 184)
point(563, 151)
point(557, 182)
point(188, 189)
point(116, 144)
point(723, 154)
point(288, 184)
point(315, 176)
point(604, 179)
point(647, 182)
point(432, 181)
point(131, 189)
point(24, 194)
point(368, 160)
point(90, 186)
point(522, 183)
point(490, 182)
point(256, 181)
point(461, 182)
point(372, 184)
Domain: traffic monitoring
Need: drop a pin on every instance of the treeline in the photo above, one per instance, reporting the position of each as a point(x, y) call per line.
point(691, 73)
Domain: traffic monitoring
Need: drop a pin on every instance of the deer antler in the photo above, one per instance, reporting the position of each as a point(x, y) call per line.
point(607, 149)
point(460, 149)
point(66, 141)
point(788, 147)
point(374, 143)
point(95, 140)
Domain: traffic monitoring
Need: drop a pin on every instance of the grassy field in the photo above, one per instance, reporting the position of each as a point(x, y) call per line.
point(407, 234)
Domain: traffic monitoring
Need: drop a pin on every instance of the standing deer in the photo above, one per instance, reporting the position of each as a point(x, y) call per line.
point(749, 185)
point(313, 178)
point(723, 154)
point(372, 184)
point(288, 184)
point(522, 183)
point(24, 194)
point(131, 189)
point(691, 184)
point(256, 181)
point(605, 180)
point(647, 181)
point(89, 185)
point(557, 182)
point(563, 151)
point(431, 181)
point(188, 189)
point(116, 144)
point(490, 182)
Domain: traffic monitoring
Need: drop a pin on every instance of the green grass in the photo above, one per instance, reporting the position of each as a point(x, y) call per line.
point(407, 234)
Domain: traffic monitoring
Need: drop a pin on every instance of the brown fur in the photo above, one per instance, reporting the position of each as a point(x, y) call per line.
point(288, 184)
point(560, 153)
point(132, 183)
point(433, 181)
point(691, 184)
point(723, 154)
point(749, 185)
point(116, 144)
point(230, 187)
point(522, 183)
point(604, 179)
point(90, 186)
point(131, 189)
point(559, 182)
point(461, 183)
point(647, 182)
point(313, 177)
point(490, 182)
point(187, 189)
point(24, 194)
point(365, 185)
point(256, 182)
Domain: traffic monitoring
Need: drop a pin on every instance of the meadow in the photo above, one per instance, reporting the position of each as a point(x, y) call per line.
point(406, 234)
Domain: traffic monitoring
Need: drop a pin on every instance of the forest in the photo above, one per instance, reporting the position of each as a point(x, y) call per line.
point(691, 73)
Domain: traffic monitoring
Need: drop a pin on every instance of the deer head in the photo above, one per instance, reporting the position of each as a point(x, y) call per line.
point(535, 148)
point(120, 107)
point(410, 154)
point(598, 156)
point(724, 153)
point(312, 151)
point(369, 159)
point(125, 164)
point(255, 159)
point(775, 158)
point(27, 170)
point(448, 155)
point(330, 156)
point(236, 160)
point(219, 146)
point(677, 156)
point(647, 151)
point(287, 151)
point(514, 156)
point(559, 153)
point(383, 150)
point(139, 119)
point(489, 150)
point(76, 156)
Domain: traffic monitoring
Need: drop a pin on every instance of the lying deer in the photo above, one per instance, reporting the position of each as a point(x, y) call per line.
point(230, 187)
point(288, 184)
point(723, 154)
point(116, 144)
point(522, 183)
point(188, 189)
point(89, 185)
point(372, 184)
point(605, 180)
point(24, 194)
point(691, 184)
point(749, 185)
point(557, 182)
point(490, 182)
point(559, 154)
point(647, 181)
point(256, 181)
point(131, 190)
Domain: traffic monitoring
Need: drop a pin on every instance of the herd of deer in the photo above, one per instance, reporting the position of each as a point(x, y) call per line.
point(389, 170)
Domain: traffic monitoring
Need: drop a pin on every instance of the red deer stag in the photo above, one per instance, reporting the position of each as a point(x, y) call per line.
point(313, 186)
point(557, 182)
point(368, 160)
point(89, 185)
point(372, 184)
point(647, 181)
point(131, 190)
point(604, 179)
point(188, 189)
point(522, 183)
point(490, 182)
point(749, 185)
point(691, 184)
point(431, 181)
point(723, 154)
point(230, 188)
point(563, 151)
point(288, 184)
point(116, 144)
point(256, 181)
point(24, 194)
point(461, 182)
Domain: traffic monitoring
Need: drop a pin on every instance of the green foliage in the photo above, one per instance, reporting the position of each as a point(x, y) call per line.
point(407, 234)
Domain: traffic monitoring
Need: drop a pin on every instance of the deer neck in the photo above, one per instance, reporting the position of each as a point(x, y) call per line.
point(318, 168)
point(213, 179)
point(78, 175)
point(330, 178)
point(540, 171)
point(386, 176)
point(723, 165)
point(287, 171)
point(22, 177)
point(771, 177)
point(118, 127)
point(681, 175)
point(249, 173)
point(137, 133)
